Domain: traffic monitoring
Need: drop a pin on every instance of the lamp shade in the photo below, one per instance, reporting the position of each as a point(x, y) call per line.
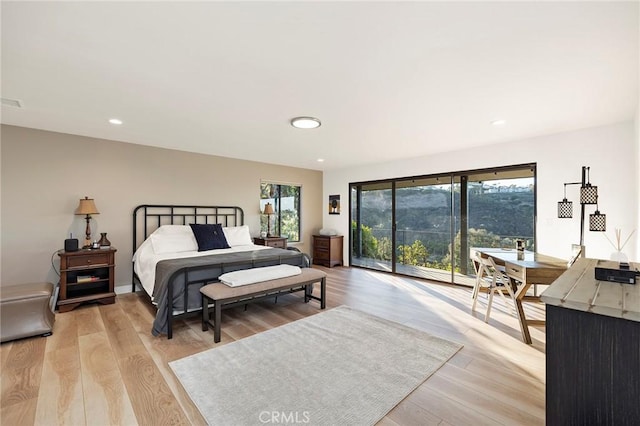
point(87, 206)
point(268, 209)
point(597, 222)
point(565, 209)
point(588, 194)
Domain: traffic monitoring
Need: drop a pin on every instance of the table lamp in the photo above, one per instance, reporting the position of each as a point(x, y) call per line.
point(268, 210)
point(87, 207)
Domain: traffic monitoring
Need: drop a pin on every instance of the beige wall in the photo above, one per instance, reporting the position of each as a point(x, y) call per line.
point(44, 174)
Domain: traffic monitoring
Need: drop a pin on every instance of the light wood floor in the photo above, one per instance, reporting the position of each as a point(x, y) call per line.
point(102, 366)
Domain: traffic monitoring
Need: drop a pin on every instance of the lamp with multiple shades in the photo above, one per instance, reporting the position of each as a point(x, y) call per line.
point(588, 196)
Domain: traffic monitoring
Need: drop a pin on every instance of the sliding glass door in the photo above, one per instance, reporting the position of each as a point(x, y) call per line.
point(424, 226)
point(499, 209)
point(371, 225)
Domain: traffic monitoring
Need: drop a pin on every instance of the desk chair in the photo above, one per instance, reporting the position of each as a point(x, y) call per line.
point(484, 277)
point(495, 279)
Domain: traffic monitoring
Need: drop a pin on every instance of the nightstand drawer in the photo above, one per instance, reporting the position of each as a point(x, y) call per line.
point(321, 254)
point(321, 243)
point(280, 243)
point(88, 260)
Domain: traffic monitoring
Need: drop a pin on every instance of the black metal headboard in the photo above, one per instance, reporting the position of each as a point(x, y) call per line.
point(149, 217)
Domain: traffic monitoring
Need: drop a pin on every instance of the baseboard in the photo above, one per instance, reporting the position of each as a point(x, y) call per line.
point(122, 289)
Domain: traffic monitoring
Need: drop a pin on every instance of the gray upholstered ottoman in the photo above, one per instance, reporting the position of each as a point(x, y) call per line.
point(25, 310)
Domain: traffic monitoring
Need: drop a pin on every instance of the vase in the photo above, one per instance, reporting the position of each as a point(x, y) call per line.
point(619, 256)
point(104, 241)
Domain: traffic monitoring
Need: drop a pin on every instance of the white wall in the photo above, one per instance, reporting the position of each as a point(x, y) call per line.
point(610, 151)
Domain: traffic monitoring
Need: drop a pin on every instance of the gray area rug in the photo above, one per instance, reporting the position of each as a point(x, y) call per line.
point(338, 367)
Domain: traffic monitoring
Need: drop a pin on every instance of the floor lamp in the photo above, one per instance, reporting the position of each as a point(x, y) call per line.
point(588, 195)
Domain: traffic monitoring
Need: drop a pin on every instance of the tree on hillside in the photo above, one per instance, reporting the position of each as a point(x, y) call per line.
point(384, 248)
point(369, 242)
point(415, 254)
point(477, 238)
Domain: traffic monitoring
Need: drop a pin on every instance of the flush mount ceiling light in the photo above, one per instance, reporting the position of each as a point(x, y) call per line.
point(498, 123)
point(115, 121)
point(305, 122)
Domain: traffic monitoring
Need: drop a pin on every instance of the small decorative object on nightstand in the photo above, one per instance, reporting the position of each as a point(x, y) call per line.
point(278, 242)
point(327, 250)
point(104, 242)
point(86, 276)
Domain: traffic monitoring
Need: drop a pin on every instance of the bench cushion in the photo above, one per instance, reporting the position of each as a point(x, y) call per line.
point(219, 291)
point(25, 291)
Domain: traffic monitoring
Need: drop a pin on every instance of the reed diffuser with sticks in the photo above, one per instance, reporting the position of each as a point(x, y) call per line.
point(618, 255)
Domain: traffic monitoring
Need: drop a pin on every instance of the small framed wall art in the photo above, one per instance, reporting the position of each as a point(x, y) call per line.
point(334, 204)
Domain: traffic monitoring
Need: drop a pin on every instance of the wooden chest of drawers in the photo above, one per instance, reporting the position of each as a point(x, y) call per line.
point(327, 250)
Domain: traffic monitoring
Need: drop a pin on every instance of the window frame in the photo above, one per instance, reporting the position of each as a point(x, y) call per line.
point(276, 200)
point(459, 213)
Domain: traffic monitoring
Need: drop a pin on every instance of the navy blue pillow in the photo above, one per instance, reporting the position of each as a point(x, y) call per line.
point(209, 236)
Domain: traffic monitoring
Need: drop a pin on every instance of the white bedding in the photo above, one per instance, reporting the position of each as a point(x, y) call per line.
point(256, 275)
point(146, 258)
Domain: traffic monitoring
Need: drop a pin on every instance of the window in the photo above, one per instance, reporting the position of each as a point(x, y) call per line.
point(285, 200)
point(424, 226)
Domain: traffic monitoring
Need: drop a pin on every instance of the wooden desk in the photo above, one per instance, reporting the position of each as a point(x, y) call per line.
point(593, 348)
point(525, 269)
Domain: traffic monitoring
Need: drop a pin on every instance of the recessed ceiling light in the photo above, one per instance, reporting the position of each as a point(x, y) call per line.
point(305, 122)
point(115, 121)
point(320, 160)
point(498, 123)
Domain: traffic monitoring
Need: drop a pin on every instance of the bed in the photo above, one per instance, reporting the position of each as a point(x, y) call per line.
point(169, 268)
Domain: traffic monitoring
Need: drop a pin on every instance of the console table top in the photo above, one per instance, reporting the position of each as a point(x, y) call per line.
point(578, 289)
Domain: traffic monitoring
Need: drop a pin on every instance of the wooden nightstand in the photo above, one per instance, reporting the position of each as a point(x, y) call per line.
point(278, 242)
point(86, 276)
point(327, 250)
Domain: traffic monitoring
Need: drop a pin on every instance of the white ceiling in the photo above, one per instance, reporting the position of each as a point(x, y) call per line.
point(388, 80)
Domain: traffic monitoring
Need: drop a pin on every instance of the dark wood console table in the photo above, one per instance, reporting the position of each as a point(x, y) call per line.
point(593, 349)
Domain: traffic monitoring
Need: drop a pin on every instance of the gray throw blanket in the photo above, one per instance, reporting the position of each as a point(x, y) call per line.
point(173, 273)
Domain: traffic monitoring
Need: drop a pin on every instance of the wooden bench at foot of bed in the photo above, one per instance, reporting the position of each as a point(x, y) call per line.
point(222, 296)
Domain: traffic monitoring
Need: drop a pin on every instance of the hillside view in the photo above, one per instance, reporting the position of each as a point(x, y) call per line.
point(497, 216)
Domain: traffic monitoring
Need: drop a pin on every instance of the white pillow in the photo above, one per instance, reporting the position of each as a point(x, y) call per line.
point(173, 243)
point(237, 235)
point(173, 230)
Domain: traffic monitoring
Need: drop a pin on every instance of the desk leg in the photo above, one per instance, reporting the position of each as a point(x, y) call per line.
point(524, 327)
